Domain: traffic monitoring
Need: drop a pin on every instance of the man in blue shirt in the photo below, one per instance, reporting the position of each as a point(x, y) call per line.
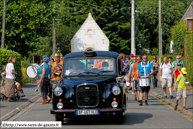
point(145, 68)
point(126, 66)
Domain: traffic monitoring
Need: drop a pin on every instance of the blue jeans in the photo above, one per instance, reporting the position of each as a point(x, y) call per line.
point(155, 79)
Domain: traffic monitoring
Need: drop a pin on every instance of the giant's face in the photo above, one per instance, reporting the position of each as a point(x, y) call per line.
point(57, 58)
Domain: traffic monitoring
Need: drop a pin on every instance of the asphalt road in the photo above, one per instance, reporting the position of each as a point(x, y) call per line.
point(29, 90)
point(156, 115)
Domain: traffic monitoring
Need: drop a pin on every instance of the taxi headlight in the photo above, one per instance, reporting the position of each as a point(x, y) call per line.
point(114, 104)
point(116, 90)
point(59, 105)
point(58, 91)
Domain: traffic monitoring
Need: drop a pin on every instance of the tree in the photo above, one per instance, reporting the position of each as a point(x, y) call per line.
point(172, 12)
point(64, 35)
point(113, 16)
point(178, 34)
point(26, 21)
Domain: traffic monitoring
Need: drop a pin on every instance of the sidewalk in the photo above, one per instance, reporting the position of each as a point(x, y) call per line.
point(29, 91)
point(189, 102)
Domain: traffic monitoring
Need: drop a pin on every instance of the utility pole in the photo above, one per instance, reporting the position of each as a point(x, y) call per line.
point(54, 37)
point(3, 26)
point(160, 33)
point(133, 51)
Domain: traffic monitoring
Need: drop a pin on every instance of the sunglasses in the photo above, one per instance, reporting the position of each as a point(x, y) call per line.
point(144, 58)
point(178, 58)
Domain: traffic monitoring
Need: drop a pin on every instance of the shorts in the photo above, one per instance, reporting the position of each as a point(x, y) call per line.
point(137, 87)
point(180, 93)
point(166, 81)
point(145, 89)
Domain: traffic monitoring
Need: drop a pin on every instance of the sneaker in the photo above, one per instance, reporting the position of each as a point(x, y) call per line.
point(135, 99)
point(175, 107)
point(171, 96)
point(165, 96)
point(185, 108)
point(141, 103)
point(146, 103)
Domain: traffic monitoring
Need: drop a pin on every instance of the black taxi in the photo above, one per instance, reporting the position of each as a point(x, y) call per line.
point(92, 83)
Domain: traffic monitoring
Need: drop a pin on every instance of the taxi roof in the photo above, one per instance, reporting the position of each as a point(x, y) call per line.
point(98, 53)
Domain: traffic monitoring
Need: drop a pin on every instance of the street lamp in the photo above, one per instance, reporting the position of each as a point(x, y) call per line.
point(54, 35)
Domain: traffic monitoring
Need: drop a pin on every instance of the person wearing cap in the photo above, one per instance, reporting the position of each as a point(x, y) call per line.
point(155, 73)
point(182, 81)
point(56, 68)
point(131, 58)
point(177, 72)
point(44, 81)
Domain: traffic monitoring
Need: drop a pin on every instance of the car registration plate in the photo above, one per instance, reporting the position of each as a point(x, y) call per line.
point(87, 112)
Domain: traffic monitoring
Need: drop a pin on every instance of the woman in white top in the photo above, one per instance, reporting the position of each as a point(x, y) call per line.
point(10, 79)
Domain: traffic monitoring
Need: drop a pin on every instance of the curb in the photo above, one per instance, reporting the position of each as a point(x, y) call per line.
point(18, 109)
point(179, 107)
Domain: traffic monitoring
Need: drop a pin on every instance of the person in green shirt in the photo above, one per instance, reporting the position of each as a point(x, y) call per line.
point(182, 81)
point(178, 61)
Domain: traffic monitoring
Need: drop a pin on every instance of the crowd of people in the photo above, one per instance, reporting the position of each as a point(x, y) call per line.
point(140, 73)
point(9, 86)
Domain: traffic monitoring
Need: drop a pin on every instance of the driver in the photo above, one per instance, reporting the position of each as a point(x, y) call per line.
point(76, 66)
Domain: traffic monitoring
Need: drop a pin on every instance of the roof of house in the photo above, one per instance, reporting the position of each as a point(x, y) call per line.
point(190, 7)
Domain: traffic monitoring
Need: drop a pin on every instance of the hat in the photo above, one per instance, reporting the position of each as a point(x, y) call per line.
point(46, 59)
point(57, 54)
point(184, 71)
point(128, 57)
point(131, 55)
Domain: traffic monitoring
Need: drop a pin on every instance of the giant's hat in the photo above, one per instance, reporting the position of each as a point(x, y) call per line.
point(57, 54)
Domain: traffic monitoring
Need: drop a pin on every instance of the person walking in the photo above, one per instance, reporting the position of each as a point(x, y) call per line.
point(177, 73)
point(131, 58)
point(135, 78)
point(126, 67)
point(178, 61)
point(167, 70)
point(173, 78)
point(182, 81)
point(44, 81)
point(145, 69)
point(130, 77)
point(155, 73)
point(10, 79)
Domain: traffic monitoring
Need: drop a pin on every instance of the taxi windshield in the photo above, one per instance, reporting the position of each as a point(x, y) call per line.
point(98, 66)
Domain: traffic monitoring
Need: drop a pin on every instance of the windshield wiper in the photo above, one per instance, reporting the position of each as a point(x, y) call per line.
point(87, 73)
point(106, 71)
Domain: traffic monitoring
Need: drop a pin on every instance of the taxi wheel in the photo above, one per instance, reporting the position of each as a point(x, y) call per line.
point(59, 117)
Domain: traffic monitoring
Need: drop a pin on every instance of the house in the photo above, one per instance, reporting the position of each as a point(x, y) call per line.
point(89, 37)
point(188, 17)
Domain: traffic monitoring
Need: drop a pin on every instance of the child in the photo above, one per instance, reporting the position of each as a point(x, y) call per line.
point(19, 89)
point(3, 74)
point(182, 81)
point(177, 73)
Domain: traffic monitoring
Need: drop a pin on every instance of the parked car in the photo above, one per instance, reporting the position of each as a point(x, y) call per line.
point(92, 83)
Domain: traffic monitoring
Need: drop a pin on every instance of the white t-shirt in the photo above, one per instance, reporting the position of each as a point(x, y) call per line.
point(9, 67)
point(167, 70)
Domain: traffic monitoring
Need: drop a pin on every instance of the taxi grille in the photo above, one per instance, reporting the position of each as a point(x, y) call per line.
point(87, 95)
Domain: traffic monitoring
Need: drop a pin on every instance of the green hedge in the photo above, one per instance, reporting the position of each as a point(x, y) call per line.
point(4, 57)
point(189, 55)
